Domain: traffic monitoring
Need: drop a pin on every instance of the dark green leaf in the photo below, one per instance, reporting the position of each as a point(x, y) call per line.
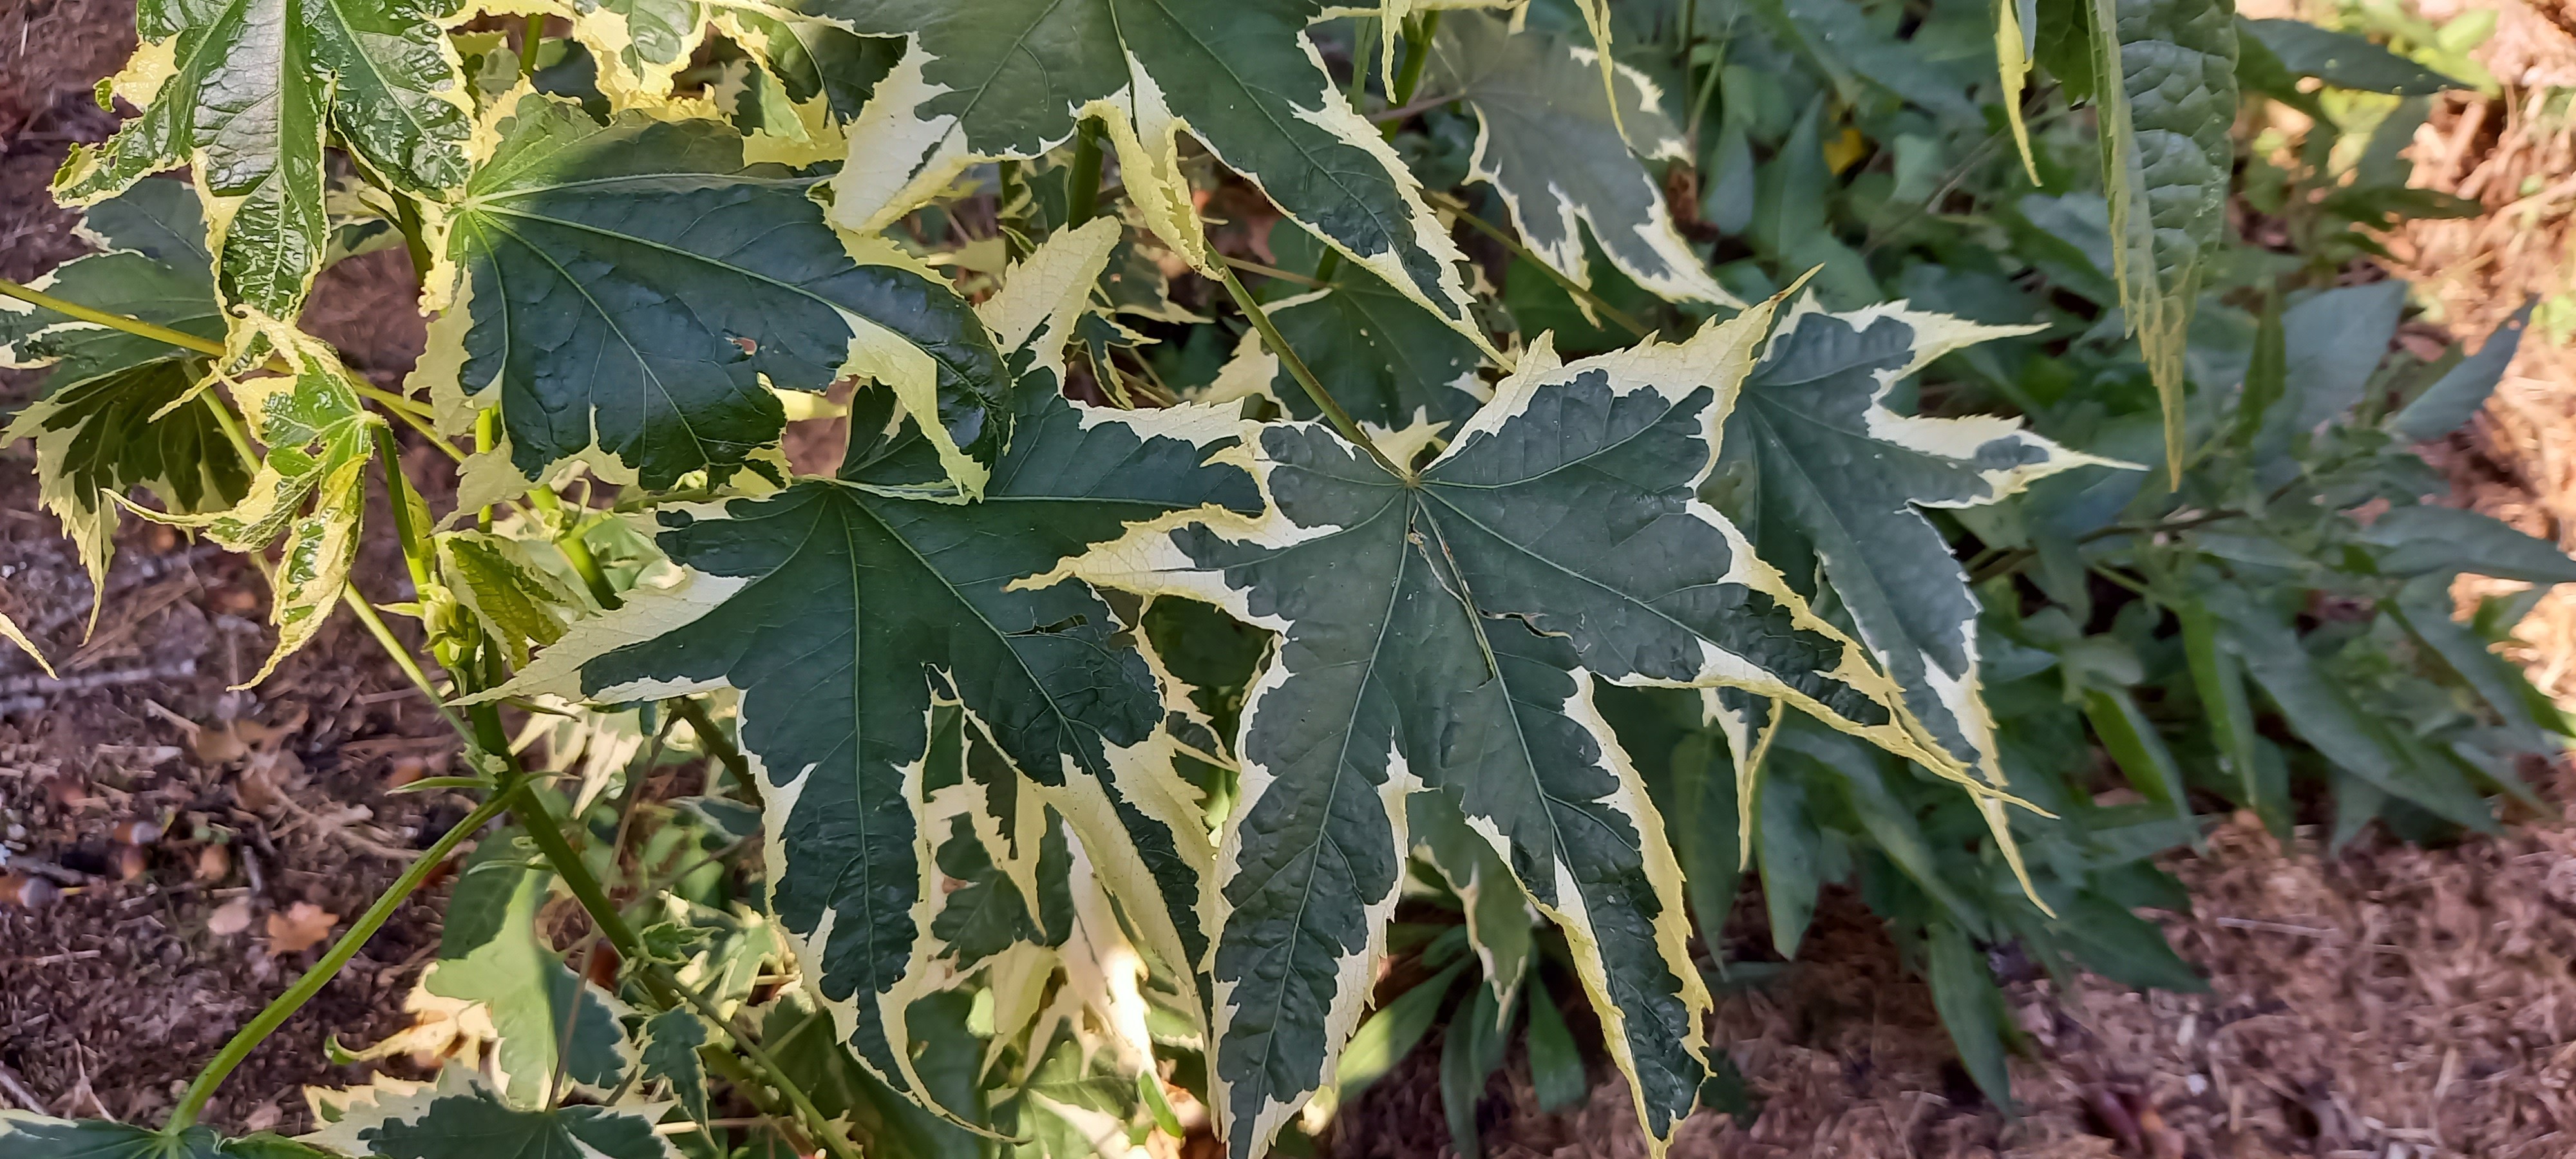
point(460, 1118)
point(1971, 1008)
point(2345, 60)
point(1556, 1064)
point(2448, 404)
point(1445, 630)
point(633, 291)
point(1548, 142)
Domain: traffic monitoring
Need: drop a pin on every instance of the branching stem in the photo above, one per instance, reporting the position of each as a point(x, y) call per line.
point(284, 1007)
point(1082, 183)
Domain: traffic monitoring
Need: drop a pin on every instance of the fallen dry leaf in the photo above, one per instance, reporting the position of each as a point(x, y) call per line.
point(230, 918)
point(300, 928)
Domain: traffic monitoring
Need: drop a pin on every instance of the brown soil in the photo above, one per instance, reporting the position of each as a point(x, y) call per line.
point(271, 797)
point(2391, 1002)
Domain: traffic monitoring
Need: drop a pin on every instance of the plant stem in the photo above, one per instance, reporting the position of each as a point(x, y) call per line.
point(1331, 257)
point(286, 1004)
point(719, 746)
point(1364, 38)
point(576, 551)
point(97, 317)
point(1599, 304)
point(233, 433)
point(407, 219)
point(402, 408)
point(411, 670)
point(531, 35)
point(548, 835)
point(1417, 52)
point(1082, 184)
point(487, 432)
point(398, 493)
point(1270, 336)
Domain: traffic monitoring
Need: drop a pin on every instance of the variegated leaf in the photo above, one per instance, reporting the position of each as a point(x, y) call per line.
point(846, 610)
point(2166, 163)
point(122, 411)
point(31, 1136)
point(630, 293)
point(1818, 470)
point(462, 1118)
point(1548, 139)
point(1012, 78)
point(320, 438)
point(1444, 631)
point(248, 92)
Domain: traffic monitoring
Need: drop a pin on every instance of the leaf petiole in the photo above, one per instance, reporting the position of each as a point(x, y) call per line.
point(1278, 344)
point(1599, 304)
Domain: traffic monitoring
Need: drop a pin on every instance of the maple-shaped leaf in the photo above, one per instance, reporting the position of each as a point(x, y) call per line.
point(26, 1136)
point(1443, 631)
point(462, 1118)
point(1548, 141)
point(630, 293)
point(1391, 365)
point(1818, 470)
point(248, 92)
point(1012, 78)
point(311, 487)
point(556, 1031)
point(846, 610)
point(120, 410)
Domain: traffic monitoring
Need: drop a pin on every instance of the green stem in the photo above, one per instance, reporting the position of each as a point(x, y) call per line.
point(689, 709)
point(576, 551)
point(1331, 259)
point(1364, 38)
point(1417, 52)
point(286, 1004)
point(1082, 185)
point(411, 670)
point(408, 532)
point(402, 408)
point(97, 317)
point(232, 428)
point(531, 35)
point(1324, 401)
point(1599, 304)
point(407, 219)
point(487, 433)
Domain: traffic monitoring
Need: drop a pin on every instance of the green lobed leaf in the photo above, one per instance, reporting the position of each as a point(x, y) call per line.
point(2435, 540)
point(30, 1136)
point(1548, 140)
point(2343, 59)
point(1471, 608)
point(1971, 1008)
point(670, 1054)
point(550, 1021)
point(1815, 467)
point(1392, 366)
point(247, 93)
point(631, 293)
point(462, 1118)
point(121, 411)
point(843, 610)
point(1009, 79)
point(2166, 161)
